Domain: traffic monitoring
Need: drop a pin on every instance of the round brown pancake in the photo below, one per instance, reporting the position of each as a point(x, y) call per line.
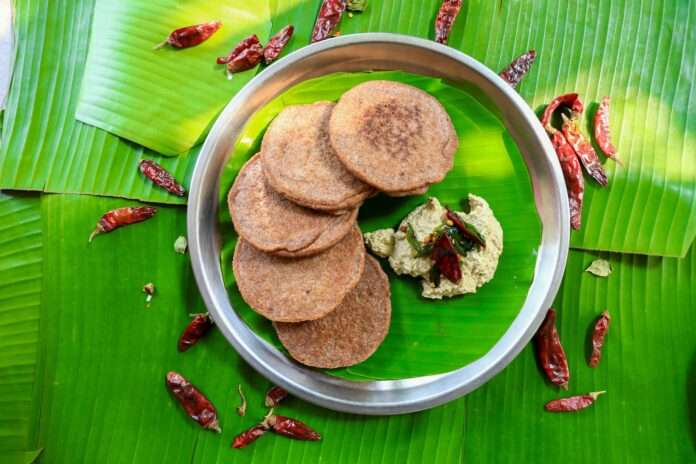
point(393, 136)
point(300, 163)
point(350, 333)
point(299, 289)
point(408, 193)
point(275, 225)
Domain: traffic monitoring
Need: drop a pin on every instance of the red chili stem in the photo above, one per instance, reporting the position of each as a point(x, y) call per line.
point(194, 402)
point(274, 396)
point(599, 333)
point(329, 17)
point(572, 173)
point(277, 43)
point(445, 19)
point(194, 331)
point(550, 352)
point(516, 70)
point(446, 259)
point(190, 36)
point(573, 403)
point(570, 100)
point(122, 217)
point(601, 130)
point(249, 436)
point(583, 148)
point(292, 428)
point(161, 177)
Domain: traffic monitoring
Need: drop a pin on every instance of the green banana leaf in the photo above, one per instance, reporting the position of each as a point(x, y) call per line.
point(103, 354)
point(166, 98)
point(102, 390)
point(648, 369)
point(426, 337)
point(581, 47)
point(43, 147)
point(21, 256)
point(650, 205)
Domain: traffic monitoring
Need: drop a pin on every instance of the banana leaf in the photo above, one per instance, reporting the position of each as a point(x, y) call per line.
point(103, 354)
point(426, 336)
point(581, 47)
point(21, 256)
point(648, 369)
point(166, 98)
point(650, 205)
point(43, 147)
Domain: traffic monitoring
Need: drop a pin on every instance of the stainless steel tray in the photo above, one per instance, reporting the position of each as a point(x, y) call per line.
point(360, 52)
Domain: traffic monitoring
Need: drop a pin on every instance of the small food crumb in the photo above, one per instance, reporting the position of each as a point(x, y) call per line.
point(148, 290)
point(180, 245)
point(600, 268)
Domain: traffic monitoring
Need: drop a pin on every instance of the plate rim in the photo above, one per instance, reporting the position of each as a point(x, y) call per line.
point(377, 397)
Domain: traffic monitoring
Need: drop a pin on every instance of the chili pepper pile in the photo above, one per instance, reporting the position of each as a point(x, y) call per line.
point(553, 360)
point(249, 52)
point(245, 55)
point(572, 145)
point(281, 425)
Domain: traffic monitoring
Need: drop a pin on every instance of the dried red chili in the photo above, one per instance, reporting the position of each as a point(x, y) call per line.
point(247, 54)
point(190, 36)
point(286, 426)
point(277, 43)
point(445, 259)
point(583, 148)
point(291, 428)
point(328, 18)
point(161, 177)
point(467, 230)
point(599, 333)
point(516, 70)
point(249, 436)
point(122, 217)
point(445, 19)
point(601, 130)
point(572, 172)
point(197, 406)
point(274, 396)
point(572, 403)
point(570, 100)
point(194, 331)
point(550, 352)
point(239, 48)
